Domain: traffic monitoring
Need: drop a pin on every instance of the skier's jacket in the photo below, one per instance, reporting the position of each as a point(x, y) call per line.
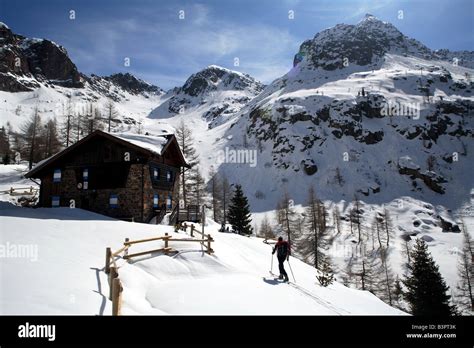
point(282, 248)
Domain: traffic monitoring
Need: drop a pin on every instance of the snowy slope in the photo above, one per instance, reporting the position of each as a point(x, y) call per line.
point(235, 281)
point(51, 101)
point(63, 273)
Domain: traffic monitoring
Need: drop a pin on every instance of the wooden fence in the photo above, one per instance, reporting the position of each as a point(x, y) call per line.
point(193, 229)
point(16, 191)
point(111, 268)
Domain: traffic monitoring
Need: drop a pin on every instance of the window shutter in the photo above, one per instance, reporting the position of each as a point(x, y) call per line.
point(57, 175)
point(113, 201)
point(55, 201)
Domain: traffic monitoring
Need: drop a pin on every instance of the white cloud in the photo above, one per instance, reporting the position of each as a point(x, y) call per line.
point(181, 47)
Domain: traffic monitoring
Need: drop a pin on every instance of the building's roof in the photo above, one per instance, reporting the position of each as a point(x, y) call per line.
point(152, 144)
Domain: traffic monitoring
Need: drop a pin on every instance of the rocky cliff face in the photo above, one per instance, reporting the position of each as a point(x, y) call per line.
point(26, 63)
point(23, 60)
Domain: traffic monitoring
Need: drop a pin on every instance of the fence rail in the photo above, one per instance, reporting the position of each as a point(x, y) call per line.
point(111, 268)
point(16, 191)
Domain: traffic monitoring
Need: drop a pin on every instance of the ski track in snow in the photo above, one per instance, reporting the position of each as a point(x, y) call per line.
point(313, 296)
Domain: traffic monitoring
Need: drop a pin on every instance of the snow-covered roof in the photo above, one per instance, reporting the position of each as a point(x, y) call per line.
point(153, 143)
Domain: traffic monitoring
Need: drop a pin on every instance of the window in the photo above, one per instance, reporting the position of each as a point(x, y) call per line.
point(55, 201)
point(156, 174)
point(156, 199)
point(168, 202)
point(169, 176)
point(85, 178)
point(113, 201)
point(57, 175)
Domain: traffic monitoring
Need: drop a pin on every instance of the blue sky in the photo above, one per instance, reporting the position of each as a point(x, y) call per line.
point(165, 50)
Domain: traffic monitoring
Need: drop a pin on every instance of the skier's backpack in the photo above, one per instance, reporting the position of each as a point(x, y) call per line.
point(282, 249)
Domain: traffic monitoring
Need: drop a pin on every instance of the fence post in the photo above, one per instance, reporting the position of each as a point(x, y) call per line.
point(166, 240)
point(112, 276)
point(203, 219)
point(192, 230)
point(116, 296)
point(108, 254)
point(126, 250)
point(209, 244)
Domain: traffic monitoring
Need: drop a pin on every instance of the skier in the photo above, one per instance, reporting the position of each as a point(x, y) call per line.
point(282, 247)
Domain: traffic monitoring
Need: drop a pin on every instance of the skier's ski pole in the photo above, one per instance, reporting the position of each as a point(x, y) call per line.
point(291, 271)
point(271, 267)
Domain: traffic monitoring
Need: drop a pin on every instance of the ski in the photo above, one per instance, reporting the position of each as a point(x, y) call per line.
point(277, 278)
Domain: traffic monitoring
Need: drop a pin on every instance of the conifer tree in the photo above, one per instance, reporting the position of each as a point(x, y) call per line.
point(288, 217)
point(29, 134)
point(214, 188)
point(186, 143)
point(426, 289)
point(336, 216)
point(397, 290)
point(387, 281)
point(4, 146)
point(111, 115)
point(50, 139)
point(197, 188)
point(266, 229)
point(239, 212)
point(67, 124)
point(327, 276)
point(313, 243)
point(465, 286)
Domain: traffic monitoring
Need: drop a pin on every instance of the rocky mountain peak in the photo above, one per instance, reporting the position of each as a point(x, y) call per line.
point(215, 93)
point(132, 84)
point(363, 44)
point(214, 78)
point(42, 59)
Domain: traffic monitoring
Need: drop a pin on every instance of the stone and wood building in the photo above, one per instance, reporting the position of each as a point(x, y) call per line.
point(126, 176)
